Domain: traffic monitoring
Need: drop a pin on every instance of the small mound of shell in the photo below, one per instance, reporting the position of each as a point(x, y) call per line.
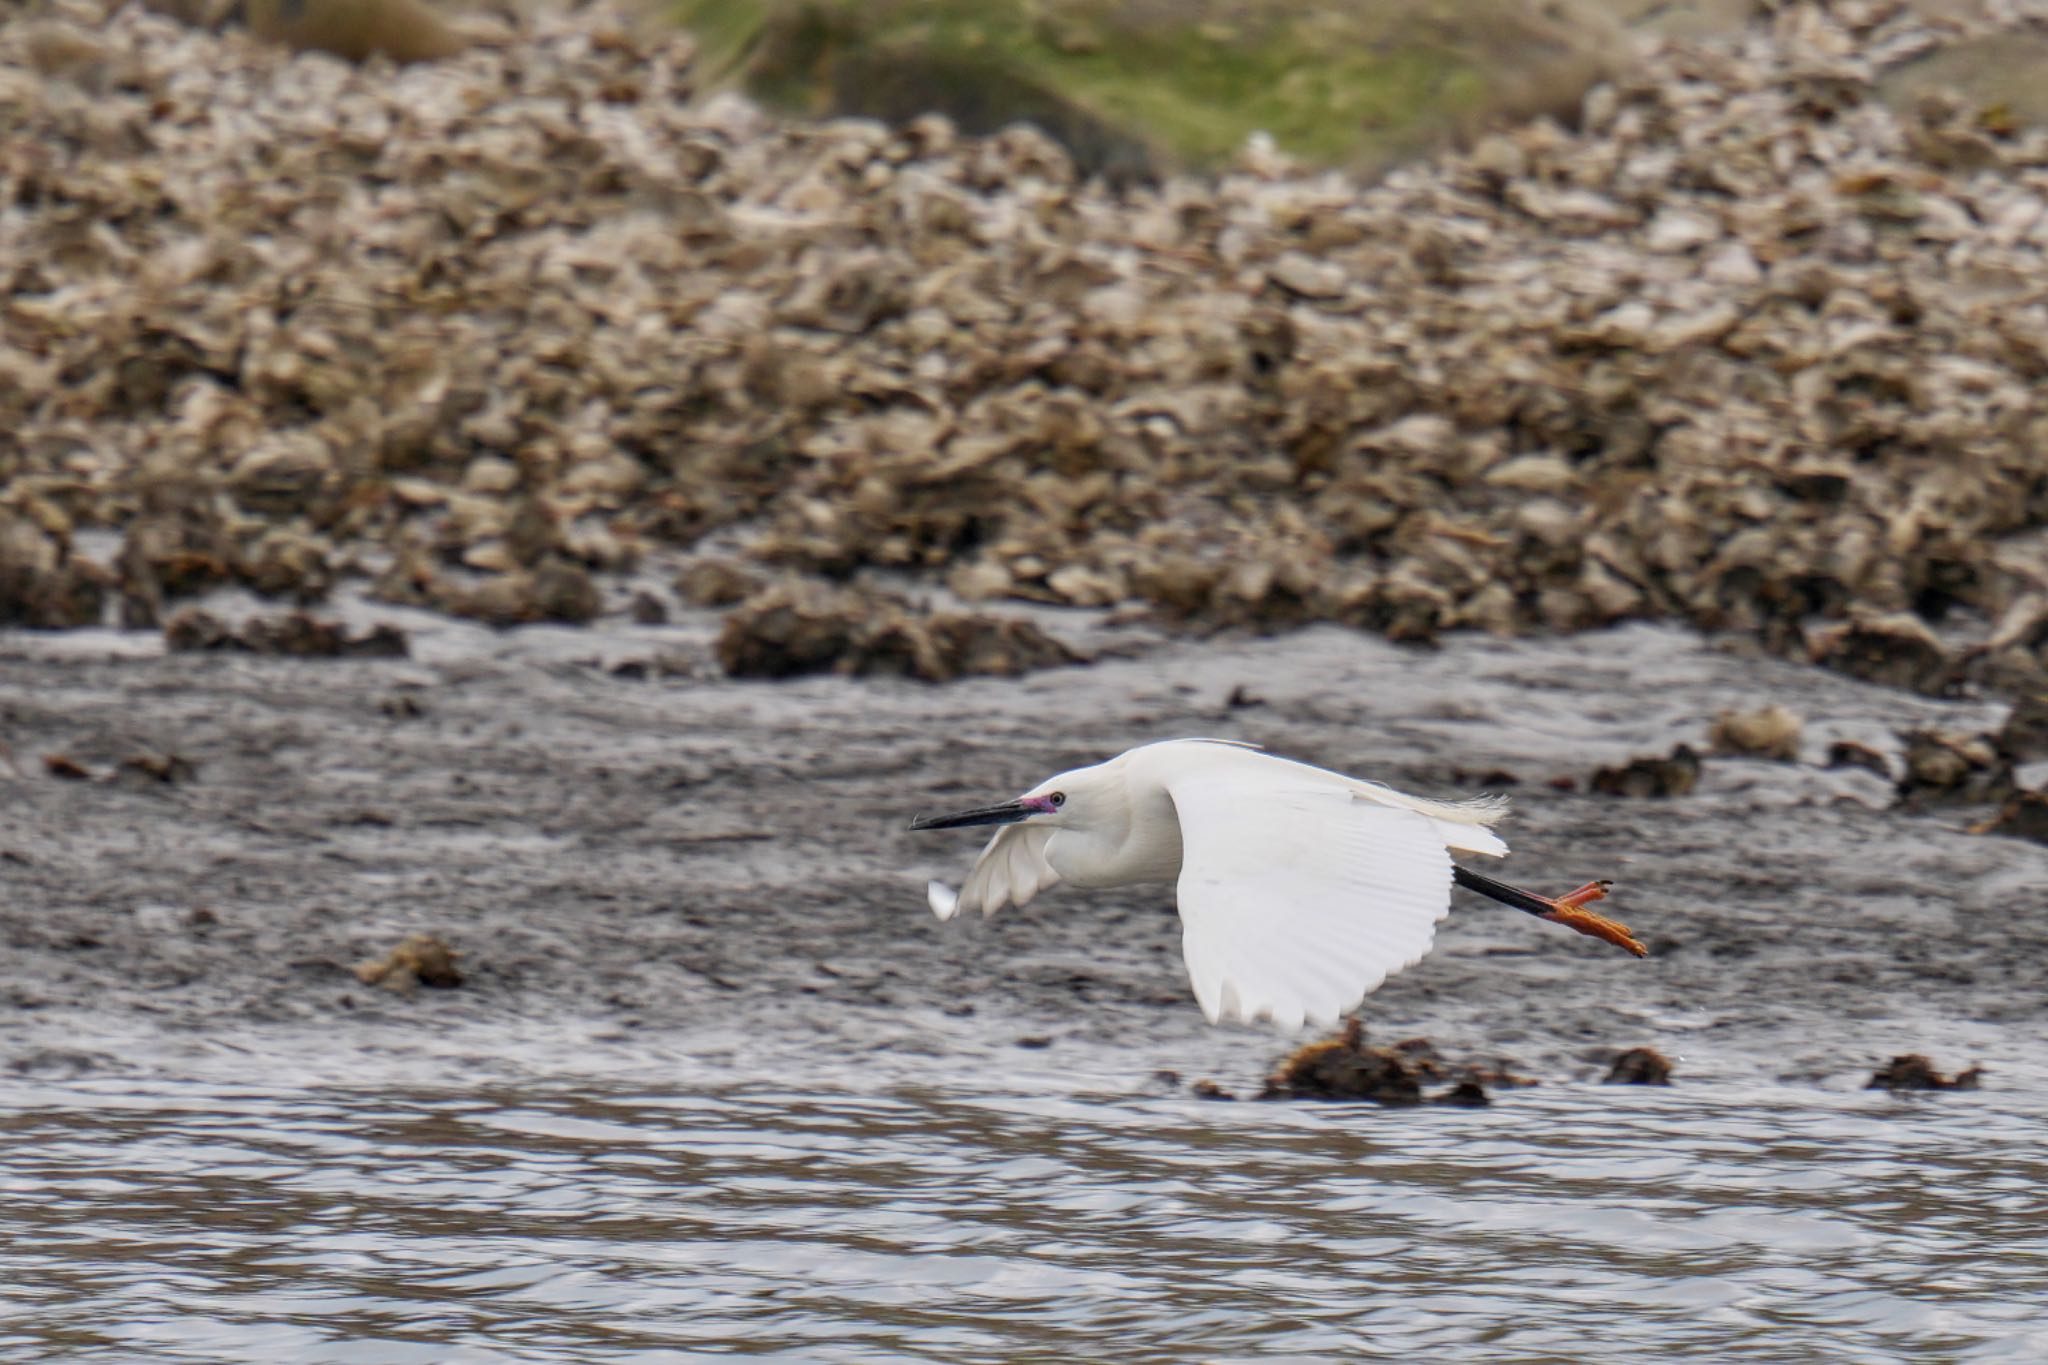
point(802, 627)
point(297, 635)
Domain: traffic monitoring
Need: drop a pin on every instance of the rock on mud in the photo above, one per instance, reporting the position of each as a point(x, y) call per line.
point(419, 960)
point(1770, 732)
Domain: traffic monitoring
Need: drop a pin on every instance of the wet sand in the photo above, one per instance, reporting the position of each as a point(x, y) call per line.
point(686, 876)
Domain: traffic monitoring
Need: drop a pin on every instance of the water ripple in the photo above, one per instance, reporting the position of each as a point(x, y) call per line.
point(177, 1223)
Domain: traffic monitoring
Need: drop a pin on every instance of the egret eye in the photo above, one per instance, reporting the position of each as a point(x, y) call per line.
point(1058, 799)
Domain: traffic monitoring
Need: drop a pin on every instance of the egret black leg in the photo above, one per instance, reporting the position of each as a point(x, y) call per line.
point(1568, 910)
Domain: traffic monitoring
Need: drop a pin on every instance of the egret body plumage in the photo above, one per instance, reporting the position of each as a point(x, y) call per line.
point(1300, 889)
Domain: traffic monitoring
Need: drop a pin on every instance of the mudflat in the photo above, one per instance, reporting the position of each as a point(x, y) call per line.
point(646, 868)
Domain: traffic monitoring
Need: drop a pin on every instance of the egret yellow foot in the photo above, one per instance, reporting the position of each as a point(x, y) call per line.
point(1570, 911)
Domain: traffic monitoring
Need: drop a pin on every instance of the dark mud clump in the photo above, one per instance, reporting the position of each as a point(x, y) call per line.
point(1345, 1067)
point(1431, 1065)
point(2024, 736)
point(149, 770)
point(716, 583)
point(1846, 753)
point(2023, 816)
point(1914, 1072)
point(1898, 650)
point(796, 627)
point(420, 960)
point(1640, 1066)
point(296, 635)
point(42, 585)
point(1942, 766)
point(1466, 1094)
point(1673, 775)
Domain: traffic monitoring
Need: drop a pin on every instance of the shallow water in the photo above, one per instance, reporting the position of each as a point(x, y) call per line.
point(159, 1221)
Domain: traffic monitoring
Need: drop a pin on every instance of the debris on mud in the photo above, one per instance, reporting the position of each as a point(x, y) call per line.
point(1943, 766)
point(1915, 1072)
point(798, 627)
point(419, 960)
point(1466, 1094)
point(1676, 774)
point(64, 1062)
point(1897, 650)
point(1845, 753)
point(1208, 1090)
point(716, 583)
point(2023, 816)
point(297, 635)
point(1639, 1066)
point(1345, 1067)
point(647, 610)
point(172, 919)
point(42, 584)
point(1430, 1065)
point(156, 770)
point(1769, 732)
point(2024, 736)
point(66, 767)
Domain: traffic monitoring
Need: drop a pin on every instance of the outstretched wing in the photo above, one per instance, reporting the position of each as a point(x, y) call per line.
point(1011, 870)
point(1299, 895)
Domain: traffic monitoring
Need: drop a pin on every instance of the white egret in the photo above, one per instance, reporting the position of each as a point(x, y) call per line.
point(1300, 889)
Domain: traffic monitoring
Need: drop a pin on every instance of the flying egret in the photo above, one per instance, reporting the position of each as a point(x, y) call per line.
point(1300, 889)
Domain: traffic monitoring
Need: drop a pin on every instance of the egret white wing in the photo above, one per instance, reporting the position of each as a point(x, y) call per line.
point(1298, 896)
point(1010, 871)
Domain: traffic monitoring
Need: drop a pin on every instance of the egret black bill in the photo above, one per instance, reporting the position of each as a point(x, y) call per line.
point(1008, 813)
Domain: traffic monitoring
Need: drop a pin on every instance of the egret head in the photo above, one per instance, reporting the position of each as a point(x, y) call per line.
point(1064, 800)
point(1039, 806)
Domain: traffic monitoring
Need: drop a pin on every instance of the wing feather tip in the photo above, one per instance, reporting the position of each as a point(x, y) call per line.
point(944, 901)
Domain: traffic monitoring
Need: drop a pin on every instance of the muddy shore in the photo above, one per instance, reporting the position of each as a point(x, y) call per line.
point(648, 869)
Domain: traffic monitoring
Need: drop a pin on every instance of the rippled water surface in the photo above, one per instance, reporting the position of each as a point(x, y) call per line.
point(166, 1222)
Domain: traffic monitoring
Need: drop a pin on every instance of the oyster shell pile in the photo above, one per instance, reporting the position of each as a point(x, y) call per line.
point(1747, 349)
